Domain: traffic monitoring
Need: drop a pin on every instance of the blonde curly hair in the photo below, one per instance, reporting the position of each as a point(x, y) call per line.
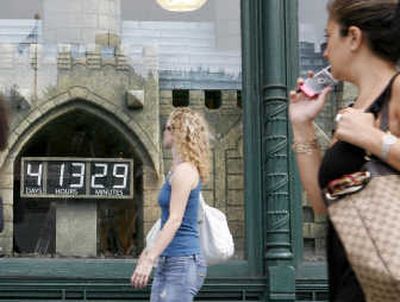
point(191, 137)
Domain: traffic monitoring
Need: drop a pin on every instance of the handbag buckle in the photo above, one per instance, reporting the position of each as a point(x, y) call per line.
point(347, 184)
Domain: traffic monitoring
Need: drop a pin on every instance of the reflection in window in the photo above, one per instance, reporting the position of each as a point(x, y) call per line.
point(312, 18)
point(78, 227)
point(213, 99)
point(311, 39)
point(97, 79)
point(180, 98)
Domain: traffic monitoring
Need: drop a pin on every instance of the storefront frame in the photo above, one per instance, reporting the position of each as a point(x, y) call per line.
point(274, 270)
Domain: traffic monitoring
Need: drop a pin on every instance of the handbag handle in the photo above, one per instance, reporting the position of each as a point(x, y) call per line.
point(384, 104)
point(376, 166)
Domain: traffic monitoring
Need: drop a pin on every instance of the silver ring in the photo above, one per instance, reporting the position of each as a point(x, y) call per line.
point(338, 117)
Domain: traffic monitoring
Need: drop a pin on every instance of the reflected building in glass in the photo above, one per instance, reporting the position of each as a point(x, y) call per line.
point(91, 80)
point(90, 85)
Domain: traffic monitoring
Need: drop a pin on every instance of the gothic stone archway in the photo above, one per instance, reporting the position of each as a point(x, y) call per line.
point(81, 99)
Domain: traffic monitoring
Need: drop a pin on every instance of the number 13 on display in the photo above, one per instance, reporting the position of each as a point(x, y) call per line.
point(76, 177)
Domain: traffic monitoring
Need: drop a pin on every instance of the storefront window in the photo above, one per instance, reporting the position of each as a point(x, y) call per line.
point(312, 18)
point(89, 86)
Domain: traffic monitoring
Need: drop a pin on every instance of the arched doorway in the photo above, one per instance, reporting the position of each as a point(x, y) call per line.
point(78, 227)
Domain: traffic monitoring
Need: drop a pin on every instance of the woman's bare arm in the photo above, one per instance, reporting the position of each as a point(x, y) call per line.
point(185, 176)
point(182, 181)
point(374, 140)
point(358, 128)
point(308, 164)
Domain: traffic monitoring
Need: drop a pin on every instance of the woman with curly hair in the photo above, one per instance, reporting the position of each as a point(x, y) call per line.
point(181, 268)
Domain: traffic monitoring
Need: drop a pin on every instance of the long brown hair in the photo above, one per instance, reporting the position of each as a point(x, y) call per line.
point(378, 19)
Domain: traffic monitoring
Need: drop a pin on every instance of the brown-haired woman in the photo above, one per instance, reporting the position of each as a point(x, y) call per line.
point(181, 268)
point(363, 48)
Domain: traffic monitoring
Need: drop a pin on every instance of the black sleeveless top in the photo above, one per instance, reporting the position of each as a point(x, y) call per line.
point(340, 159)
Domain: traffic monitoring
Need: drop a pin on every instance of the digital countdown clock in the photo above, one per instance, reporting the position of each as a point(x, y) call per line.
point(59, 177)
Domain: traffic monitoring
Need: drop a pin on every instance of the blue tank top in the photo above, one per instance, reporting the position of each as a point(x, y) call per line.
point(186, 239)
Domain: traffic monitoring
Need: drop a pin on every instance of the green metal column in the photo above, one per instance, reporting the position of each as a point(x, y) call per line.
point(252, 39)
point(277, 63)
point(270, 66)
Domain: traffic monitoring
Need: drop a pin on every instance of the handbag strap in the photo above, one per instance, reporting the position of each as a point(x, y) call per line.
point(375, 165)
point(381, 105)
point(385, 110)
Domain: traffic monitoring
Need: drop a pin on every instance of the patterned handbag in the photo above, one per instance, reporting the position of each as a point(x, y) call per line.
point(368, 224)
point(367, 221)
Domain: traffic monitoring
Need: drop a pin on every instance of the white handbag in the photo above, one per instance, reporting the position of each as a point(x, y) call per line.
point(153, 233)
point(216, 240)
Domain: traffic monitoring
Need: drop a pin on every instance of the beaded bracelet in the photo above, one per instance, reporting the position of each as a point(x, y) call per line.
point(306, 147)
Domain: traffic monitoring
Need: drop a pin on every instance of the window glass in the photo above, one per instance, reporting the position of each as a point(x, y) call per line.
point(89, 86)
point(312, 19)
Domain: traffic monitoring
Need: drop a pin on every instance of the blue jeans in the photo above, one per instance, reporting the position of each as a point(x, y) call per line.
point(178, 278)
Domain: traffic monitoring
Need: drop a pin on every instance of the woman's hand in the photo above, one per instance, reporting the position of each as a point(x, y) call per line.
point(303, 109)
point(140, 276)
point(354, 126)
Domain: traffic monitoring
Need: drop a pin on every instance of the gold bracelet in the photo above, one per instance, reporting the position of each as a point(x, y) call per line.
point(306, 147)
